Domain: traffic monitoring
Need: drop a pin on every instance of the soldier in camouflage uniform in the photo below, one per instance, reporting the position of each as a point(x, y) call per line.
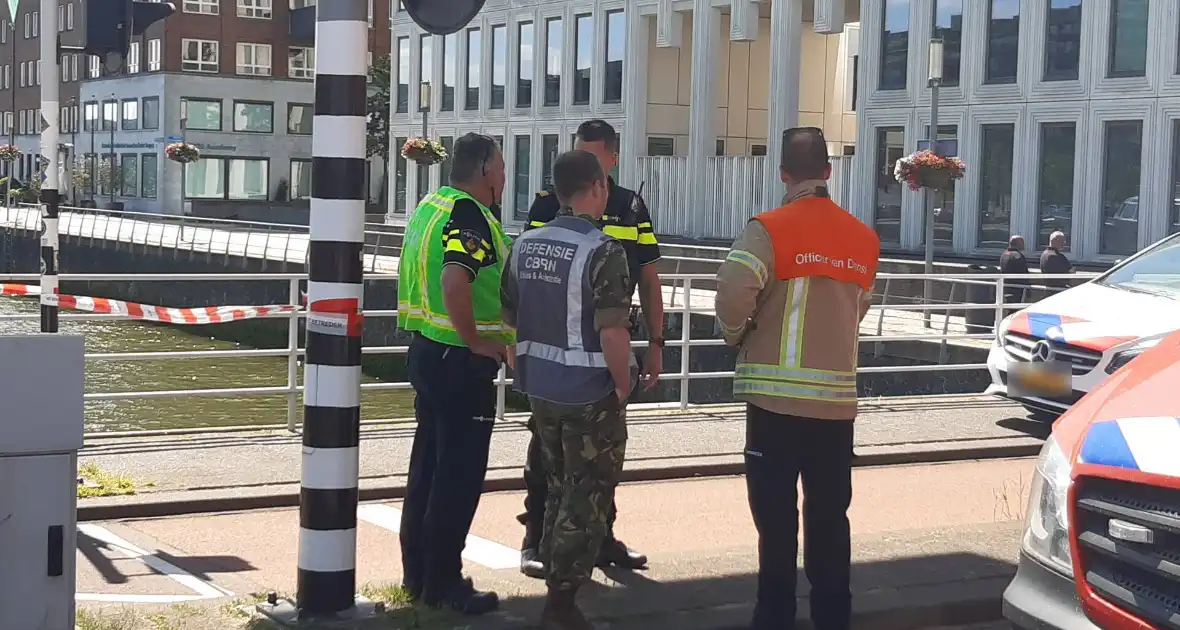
point(566, 291)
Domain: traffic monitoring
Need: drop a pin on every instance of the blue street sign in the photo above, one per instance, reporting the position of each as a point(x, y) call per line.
point(44, 177)
point(946, 148)
point(175, 139)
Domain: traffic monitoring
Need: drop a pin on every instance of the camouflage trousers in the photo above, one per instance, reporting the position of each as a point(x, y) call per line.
point(582, 448)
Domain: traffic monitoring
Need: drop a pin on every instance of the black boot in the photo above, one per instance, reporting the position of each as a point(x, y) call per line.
point(530, 563)
point(561, 611)
point(614, 552)
point(462, 597)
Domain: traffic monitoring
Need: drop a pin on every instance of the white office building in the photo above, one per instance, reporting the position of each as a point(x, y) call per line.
point(700, 91)
point(1067, 113)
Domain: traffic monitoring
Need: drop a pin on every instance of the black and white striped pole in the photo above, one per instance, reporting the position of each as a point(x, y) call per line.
point(332, 376)
point(49, 157)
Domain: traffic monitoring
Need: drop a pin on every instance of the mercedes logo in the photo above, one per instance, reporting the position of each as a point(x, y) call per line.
point(1042, 352)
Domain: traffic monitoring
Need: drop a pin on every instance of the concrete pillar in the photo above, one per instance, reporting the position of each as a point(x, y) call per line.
point(782, 108)
point(635, 97)
point(702, 134)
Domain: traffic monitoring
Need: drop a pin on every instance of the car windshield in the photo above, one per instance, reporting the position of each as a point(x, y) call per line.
point(1156, 271)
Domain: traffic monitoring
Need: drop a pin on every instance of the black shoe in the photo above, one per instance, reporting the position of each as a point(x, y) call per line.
point(615, 552)
point(531, 565)
point(463, 598)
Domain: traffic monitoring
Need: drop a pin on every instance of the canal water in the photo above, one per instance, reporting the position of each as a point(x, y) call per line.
point(175, 374)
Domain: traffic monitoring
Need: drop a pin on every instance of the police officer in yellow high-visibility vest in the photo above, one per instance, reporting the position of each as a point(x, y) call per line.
point(449, 297)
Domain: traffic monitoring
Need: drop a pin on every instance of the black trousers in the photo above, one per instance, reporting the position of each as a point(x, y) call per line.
point(779, 450)
point(455, 405)
point(537, 488)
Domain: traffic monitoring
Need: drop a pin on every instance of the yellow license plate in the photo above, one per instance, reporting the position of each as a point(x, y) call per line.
point(1042, 381)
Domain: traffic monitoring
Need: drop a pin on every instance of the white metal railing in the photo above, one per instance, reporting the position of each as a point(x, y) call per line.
point(736, 192)
point(679, 297)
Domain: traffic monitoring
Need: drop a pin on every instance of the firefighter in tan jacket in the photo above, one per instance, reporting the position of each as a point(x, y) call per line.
point(791, 295)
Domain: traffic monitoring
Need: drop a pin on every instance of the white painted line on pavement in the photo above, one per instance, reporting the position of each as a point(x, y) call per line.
point(484, 552)
point(129, 598)
point(204, 589)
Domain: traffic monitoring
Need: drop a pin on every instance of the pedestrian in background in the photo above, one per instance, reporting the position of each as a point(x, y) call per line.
point(1013, 262)
point(567, 292)
point(1054, 261)
point(791, 295)
point(627, 220)
point(449, 297)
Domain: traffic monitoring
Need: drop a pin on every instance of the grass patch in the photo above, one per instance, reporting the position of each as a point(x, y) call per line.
point(239, 614)
point(99, 483)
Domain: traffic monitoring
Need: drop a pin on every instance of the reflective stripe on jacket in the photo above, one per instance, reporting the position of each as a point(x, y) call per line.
point(420, 305)
point(559, 355)
point(792, 292)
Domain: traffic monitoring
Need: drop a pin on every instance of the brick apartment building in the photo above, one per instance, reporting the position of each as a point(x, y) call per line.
point(233, 77)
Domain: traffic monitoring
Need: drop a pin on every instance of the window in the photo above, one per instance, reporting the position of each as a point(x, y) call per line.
point(248, 179)
point(1003, 41)
point(205, 178)
point(1174, 223)
point(424, 67)
point(450, 44)
point(23, 74)
point(36, 23)
point(107, 186)
point(887, 204)
point(201, 114)
point(474, 59)
point(28, 25)
point(1122, 159)
point(199, 55)
point(1063, 40)
point(300, 179)
point(403, 75)
point(301, 63)
point(130, 114)
point(208, 7)
point(548, 157)
point(855, 83)
point(995, 190)
point(553, 38)
point(92, 68)
point(499, 65)
point(149, 165)
point(150, 112)
point(73, 68)
point(758, 149)
point(132, 58)
point(616, 44)
point(524, 66)
point(400, 178)
point(110, 115)
point(153, 57)
point(254, 117)
point(260, 9)
point(657, 146)
point(949, 26)
point(299, 117)
point(254, 59)
point(90, 116)
point(943, 203)
point(584, 53)
point(1128, 38)
point(70, 17)
point(895, 45)
point(521, 164)
point(129, 174)
point(448, 143)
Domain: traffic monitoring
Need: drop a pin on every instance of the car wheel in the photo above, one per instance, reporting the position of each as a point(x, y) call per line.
point(1041, 415)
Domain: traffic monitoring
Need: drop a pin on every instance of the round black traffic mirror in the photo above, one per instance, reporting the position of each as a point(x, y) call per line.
point(442, 17)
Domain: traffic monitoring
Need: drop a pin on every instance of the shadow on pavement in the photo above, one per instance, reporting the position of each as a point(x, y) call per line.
point(1033, 428)
point(203, 566)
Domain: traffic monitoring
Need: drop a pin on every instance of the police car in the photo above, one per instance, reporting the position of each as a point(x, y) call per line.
point(1101, 545)
point(1052, 353)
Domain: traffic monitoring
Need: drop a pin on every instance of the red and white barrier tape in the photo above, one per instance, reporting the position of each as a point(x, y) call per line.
point(147, 312)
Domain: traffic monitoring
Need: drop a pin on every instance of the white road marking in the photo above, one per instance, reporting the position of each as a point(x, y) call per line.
point(203, 589)
point(484, 552)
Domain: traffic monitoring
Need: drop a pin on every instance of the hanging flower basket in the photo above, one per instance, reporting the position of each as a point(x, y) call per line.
point(424, 151)
point(924, 169)
point(182, 152)
point(9, 153)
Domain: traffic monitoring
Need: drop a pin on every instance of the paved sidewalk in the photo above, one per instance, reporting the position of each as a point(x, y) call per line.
point(661, 445)
point(951, 567)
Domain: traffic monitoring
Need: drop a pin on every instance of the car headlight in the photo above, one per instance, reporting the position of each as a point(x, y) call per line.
point(1124, 357)
point(1046, 532)
point(1002, 329)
